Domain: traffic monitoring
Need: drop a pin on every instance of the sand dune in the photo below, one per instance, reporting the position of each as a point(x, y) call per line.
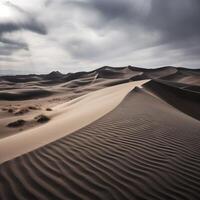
point(141, 150)
point(185, 100)
point(48, 90)
point(185, 76)
point(110, 133)
point(21, 95)
point(66, 118)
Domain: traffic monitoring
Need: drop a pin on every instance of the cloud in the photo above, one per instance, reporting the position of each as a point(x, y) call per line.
point(138, 25)
point(83, 34)
point(10, 46)
point(31, 25)
point(22, 21)
point(29, 22)
point(174, 23)
point(175, 20)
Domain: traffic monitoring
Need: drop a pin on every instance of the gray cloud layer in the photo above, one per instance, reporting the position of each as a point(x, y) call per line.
point(29, 22)
point(88, 33)
point(30, 25)
point(177, 21)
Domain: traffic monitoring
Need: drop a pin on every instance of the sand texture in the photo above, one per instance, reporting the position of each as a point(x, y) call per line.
point(130, 139)
point(68, 117)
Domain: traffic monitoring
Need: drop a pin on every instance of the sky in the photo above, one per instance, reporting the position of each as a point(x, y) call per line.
point(78, 35)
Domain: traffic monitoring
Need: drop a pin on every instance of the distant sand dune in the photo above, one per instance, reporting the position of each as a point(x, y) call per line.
point(24, 95)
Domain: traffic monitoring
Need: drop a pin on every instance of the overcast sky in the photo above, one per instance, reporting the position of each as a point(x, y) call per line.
point(74, 35)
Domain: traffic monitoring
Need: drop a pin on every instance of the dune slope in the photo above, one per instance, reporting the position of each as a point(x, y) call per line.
point(144, 149)
point(65, 119)
point(185, 100)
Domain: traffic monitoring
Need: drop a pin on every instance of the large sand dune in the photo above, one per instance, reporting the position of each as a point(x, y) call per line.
point(134, 140)
point(144, 149)
point(66, 118)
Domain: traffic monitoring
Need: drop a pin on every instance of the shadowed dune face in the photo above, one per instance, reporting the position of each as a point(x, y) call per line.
point(185, 76)
point(21, 95)
point(185, 100)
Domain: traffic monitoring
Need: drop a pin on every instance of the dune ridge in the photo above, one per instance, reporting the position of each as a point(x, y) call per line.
point(67, 118)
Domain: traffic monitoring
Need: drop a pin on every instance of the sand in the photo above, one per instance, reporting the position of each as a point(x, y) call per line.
point(141, 150)
point(114, 141)
point(19, 93)
point(67, 118)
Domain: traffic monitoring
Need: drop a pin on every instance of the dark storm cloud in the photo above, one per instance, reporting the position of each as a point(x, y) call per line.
point(180, 18)
point(175, 20)
point(106, 32)
point(117, 9)
point(102, 18)
point(9, 46)
point(124, 12)
point(176, 24)
point(114, 9)
point(17, 44)
point(29, 23)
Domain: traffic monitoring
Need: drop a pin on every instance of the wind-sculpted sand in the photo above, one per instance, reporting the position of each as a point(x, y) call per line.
point(135, 140)
point(66, 118)
point(144, 149)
